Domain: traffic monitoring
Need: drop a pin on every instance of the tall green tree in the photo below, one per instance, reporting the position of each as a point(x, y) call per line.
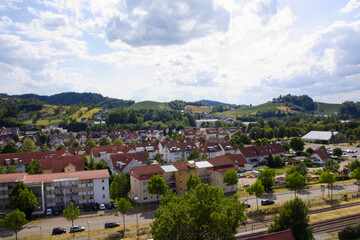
point(22, 199)
point(158, 158)
point(14, 221)
point(194, 154)
point(356, 175)
point(10, 147)
point(354, 165)
point(34, 167)
point(329, 178)
point(202, 213)
point(192, 181)
point(267, 177)
point(295, 181)
point(104, 142)
point(75, 144)
point(118, 141)
point(331, 165)
point(230, 178)
point(310, 151)
point(90, 143)
point(11, 169)
point(293, 215)
point(256, 189)
point(337, 152)
point(71, 213)
point(157, 185)
point(123, 205)
point(297, 144)
point(120, 186)
point(301, 168)
point(28, 146)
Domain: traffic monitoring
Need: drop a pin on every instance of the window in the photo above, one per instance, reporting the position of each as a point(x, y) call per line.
point(180, 174)
point(103, 188)
point(144, 183)
point(102, 180)
point(145, 198)
point(180, 182)
point(144, 190)
point(103, 195)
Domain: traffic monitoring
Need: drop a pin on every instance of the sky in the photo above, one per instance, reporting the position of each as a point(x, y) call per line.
point(234, 51)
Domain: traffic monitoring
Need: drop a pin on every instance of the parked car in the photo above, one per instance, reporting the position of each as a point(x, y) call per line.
point(56, 211)
point(87, 208)
point(109, 206)
point(246, 185)
point(111, 224)
point(102, 206)
point(354, 156)
point(247, 205)
point(114, 204)
point(49, 212)
point(267, 202)
point(58, 230)
point(77, 228)
point(95, 207)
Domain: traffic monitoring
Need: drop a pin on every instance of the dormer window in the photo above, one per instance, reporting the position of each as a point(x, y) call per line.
point(7, 161)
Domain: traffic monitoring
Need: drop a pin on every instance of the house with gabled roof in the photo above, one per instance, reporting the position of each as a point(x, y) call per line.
point(173, 150)
point(62, 164)
point(319, 156)
point(104, 152)
point(256, 155)
point(151, 147)
point(121, 163)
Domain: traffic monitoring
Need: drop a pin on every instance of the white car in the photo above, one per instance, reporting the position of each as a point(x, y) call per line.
point(102, 206)
point(48, 211)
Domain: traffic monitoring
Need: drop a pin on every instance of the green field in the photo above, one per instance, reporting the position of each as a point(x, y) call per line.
point(149, 105)
point(246, 111)
point(329, 108)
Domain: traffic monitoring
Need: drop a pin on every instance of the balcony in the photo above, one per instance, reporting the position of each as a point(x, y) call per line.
point(204, 176)
point(4, 188)
point(171, 180)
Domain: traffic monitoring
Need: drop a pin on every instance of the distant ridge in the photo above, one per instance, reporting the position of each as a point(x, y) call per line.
point(73, 98)
point(211, 103)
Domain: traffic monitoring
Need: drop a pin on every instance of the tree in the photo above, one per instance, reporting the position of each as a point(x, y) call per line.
point(11, 169)
point(293, 215)
point(329, 178)
point(120, 186)
point(101, 164)
point(75, 144)
point(267, 178)
point(28, 146)
point(354, 165)
point(118, 141)
point(297, 144)
point(310, 151)
point(194, 154)
point(104, 142)
point(192, 181)
point(158, 158)
point(256, 189)
point(22, 199)
point(356, 175)
point(202, 213)
point(157, 185)
point(331, 165)
point(71, 213)
point(337, 152)
point(270, 161)
point(90, 142)
point(34, 167)
point(14, 221)
point(123, 205)
point(10, 147)
point(301, 168)
point(295, 181)
point(230, 178)
point(61, 147)
point(180, 159)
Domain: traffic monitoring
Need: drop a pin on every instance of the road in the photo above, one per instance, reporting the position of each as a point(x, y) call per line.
point(97, 221)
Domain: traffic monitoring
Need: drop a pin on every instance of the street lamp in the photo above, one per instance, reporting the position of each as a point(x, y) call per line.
point(137, 220)
point(88, 222)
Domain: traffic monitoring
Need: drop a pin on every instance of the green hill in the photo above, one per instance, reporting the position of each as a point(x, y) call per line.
point(328, 108)
point(149, 105)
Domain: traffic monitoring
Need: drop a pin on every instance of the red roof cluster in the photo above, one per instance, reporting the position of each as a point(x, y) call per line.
point(58, 164)
point(26, 157)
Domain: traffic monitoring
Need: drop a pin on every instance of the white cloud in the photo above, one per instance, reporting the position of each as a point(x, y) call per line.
point(350, 6)
point(148, 22)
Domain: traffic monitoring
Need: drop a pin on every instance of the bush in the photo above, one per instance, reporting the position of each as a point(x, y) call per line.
point(350, 232)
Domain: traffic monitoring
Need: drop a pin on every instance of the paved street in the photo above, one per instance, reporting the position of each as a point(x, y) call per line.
point(97, 222)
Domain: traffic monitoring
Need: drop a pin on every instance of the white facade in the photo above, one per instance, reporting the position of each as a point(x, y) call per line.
point(101, 190)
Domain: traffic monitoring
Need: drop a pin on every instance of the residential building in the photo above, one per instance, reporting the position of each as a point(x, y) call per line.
point(319, 156)
point(323, 137)
point(256, 155)
point(22, 159)
point(151, 147)
point(59, 189)
point(173, 150)
point(176, 173)
point(62, 164)
point(104, 152)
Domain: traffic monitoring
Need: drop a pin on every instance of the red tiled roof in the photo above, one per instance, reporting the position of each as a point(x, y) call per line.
point(322, 154)
point(109, 149)
point(58, 164)
point(209, 147)
point(76, 150)
point(144, 145)
point(178, 146)
point(81, 175)
point(12, 177)
point(238, 159)
point(139, 156)
point(123, 158)
point(146, 170)
point(283, 235)
point(27, 157)
point(263, 150)
point(220, 161)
